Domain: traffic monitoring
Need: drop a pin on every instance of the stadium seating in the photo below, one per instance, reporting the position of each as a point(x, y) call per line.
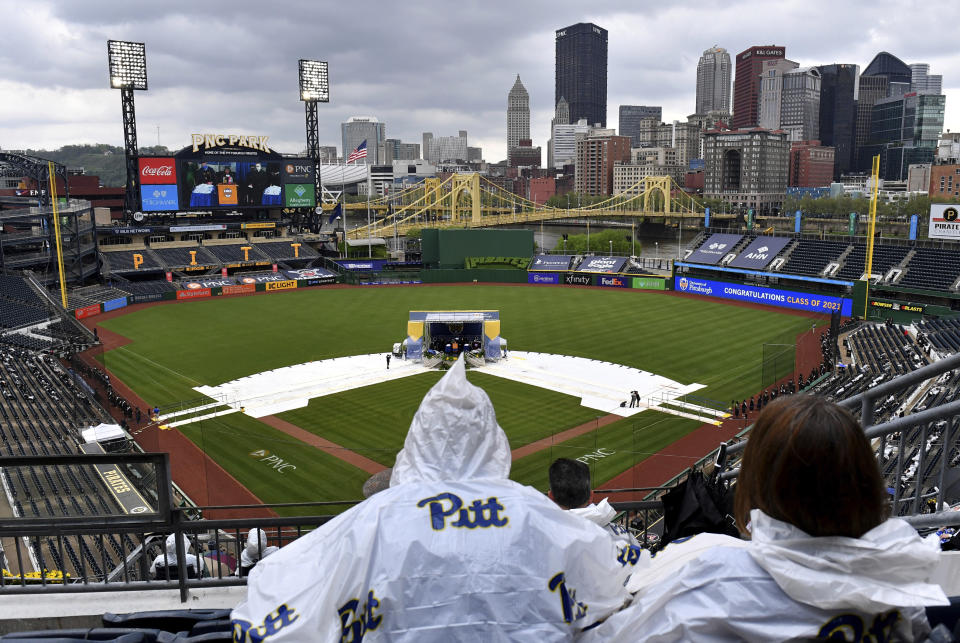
point(121, 261)
point(147, 287)
point(932, 269)
point(40, 410)
point(17, 289)
point(233, 254)
point(811, 256)
point(944, 334)
point(181, 257)
point(88, 295)
point(16, 314)
point(884, 258)
point(283, 251)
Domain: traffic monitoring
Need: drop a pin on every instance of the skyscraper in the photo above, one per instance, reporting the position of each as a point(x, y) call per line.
point(905, 130)
point(630, 117)
point(713, 81)
point(581, 71)
point(839, 90)
point(898, 74)
point(518, 115)
point(746, 85)
point(363, 128)
point(771, 91)
point(800, 105)
point(921, 80)
point(872, 89)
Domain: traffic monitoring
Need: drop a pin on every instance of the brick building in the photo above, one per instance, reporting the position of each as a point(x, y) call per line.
point(945, 180)
point(811, 165)
point(596, 156)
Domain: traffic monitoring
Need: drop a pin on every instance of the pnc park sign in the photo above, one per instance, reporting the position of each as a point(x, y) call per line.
point(211, 141)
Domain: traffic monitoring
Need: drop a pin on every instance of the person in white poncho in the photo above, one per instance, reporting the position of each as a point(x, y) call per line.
point(452, 551)
point(822, 562)
point(255, 550)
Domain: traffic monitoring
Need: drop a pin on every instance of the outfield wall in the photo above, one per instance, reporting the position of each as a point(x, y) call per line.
point(196, 290)
point(751, 293)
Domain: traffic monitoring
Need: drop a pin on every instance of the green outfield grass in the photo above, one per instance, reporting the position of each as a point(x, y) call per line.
point(176, 347)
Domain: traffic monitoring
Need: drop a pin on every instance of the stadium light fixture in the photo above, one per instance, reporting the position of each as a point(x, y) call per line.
point(314, 81)
point(128, 64)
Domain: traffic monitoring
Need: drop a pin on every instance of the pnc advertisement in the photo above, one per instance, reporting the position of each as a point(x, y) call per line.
point(769, 296)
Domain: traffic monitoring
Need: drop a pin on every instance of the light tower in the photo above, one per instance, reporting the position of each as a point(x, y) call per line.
point(314, 88)
point(128, 72)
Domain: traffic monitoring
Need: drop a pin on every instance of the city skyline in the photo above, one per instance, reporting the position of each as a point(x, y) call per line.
point(237, 72)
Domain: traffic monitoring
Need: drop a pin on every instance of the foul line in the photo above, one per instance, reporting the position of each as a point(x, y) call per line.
point(166, 368)
point(563, 436)
point(337, 451)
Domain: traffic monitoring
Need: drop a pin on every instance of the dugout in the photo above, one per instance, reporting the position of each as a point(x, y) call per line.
point(453, 331)
point(450, 248)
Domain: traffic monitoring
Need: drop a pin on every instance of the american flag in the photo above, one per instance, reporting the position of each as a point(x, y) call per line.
point(359, 153)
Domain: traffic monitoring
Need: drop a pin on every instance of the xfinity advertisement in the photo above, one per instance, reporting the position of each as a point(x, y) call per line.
point(769, 296)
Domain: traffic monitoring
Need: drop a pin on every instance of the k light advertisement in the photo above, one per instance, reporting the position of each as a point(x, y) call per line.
point(769, 296)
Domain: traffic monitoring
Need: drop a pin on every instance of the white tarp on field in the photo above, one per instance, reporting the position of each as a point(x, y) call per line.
point(599, 385)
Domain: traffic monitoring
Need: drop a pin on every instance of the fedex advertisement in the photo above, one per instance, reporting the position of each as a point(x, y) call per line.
point(543, 278)
point(769, 296)
point(157, 171)
point(613, 282)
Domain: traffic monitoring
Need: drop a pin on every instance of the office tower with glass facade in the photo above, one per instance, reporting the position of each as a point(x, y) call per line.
point(921, 80)
point(631, 116)
point(581, 71)
point(905, 130)
point(839, 88)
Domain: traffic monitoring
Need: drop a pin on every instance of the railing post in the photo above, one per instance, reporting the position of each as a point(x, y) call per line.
point(945, 457)
point(175, 518)
point(866, 410)
point(918, 476)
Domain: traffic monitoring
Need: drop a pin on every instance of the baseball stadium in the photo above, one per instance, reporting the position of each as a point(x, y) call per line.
point(236, 348)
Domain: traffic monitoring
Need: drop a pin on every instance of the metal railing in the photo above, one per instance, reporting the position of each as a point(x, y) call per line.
point(866, 403)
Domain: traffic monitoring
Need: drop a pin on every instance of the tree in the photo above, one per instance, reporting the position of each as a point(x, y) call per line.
point(600, 242)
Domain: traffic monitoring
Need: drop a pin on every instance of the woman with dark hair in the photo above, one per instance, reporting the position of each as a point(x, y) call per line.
point(822, 561)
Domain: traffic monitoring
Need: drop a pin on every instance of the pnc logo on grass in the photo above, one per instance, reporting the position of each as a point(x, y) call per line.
point(259, 453)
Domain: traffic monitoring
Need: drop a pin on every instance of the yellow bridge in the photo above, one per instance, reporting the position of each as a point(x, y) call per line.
point(473, 201)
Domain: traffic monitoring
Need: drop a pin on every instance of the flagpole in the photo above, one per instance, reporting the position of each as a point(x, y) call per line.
point(369, 189)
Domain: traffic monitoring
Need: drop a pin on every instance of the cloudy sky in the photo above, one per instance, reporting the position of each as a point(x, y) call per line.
point(432, 65)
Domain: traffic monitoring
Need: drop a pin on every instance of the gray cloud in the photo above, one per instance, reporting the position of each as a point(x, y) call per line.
point(424, 66)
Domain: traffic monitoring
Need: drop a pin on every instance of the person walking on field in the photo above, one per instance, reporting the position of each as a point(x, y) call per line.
point(388, 361)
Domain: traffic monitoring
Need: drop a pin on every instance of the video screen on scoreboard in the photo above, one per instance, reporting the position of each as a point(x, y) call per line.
point(218, 182)
point(221, 183)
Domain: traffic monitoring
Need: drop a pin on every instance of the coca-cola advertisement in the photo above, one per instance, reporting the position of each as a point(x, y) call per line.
point(157, 171)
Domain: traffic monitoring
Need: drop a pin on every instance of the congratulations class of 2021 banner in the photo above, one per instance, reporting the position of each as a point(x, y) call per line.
point(769, 296)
